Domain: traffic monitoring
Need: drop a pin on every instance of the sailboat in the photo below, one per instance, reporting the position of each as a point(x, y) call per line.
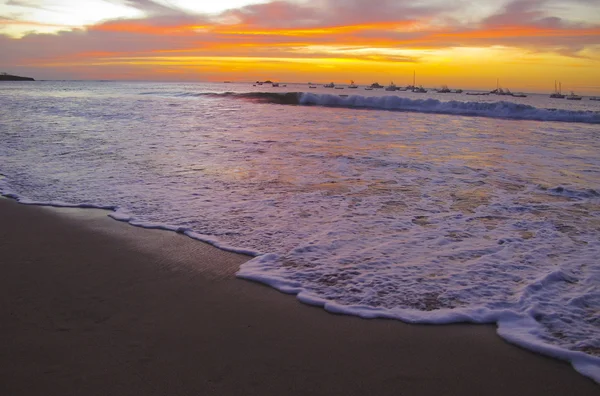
point(330, 85)
point(557, 92)
point(420, 89)
point(573, 96)
point(506, 92)
point(444, 89)
point(352, 85)
point(498, 90)
point(391, 87)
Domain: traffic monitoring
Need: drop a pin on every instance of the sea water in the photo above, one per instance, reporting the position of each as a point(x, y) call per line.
point(428, 208)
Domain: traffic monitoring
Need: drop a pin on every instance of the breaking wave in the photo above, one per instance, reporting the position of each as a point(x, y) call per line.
point(500, 109)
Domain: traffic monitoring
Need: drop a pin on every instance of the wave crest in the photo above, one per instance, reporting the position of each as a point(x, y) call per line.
point(500, 109)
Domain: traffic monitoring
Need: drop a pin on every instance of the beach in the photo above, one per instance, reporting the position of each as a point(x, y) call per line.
point(93, 306)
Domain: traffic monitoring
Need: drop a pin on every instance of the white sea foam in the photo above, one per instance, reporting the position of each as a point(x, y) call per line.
point(426, 218)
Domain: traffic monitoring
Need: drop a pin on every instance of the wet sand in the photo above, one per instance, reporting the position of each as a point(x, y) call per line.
point(90, 306)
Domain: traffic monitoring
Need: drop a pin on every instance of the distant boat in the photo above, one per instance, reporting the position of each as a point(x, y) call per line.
point(330, 85)
point(420, 89)
point(594, 97)
point(478, 93)
point(275, 84)
point(500, 91)
point(339, 87)
point(352, 85)
point(368, 89)
point(572, 96)
point(519, 95)
point(312, 87)
point(557, 92)
point(376, 85)
point(444, 89)
point(391, 87)
point(226, 82)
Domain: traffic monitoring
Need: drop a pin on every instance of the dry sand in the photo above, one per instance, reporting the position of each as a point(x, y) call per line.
point(91, 306)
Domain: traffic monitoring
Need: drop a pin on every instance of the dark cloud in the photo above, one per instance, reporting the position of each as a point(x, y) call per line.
point(518, 12)
point(334, 12)
point(361, 11)
point(276, 13)
point(537, 13)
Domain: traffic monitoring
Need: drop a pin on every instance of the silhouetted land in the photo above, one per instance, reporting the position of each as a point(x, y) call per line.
point(9, 77)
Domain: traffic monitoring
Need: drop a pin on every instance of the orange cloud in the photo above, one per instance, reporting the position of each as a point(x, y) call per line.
point(518, 31)
point(243, 29)
point(142, 28)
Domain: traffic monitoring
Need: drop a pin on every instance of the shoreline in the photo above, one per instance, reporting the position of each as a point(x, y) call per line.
point(94, 306)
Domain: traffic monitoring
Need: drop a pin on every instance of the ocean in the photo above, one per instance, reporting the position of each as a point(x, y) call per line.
point(427, 208)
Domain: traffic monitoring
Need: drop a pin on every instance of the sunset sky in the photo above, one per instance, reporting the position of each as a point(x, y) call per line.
point(527, 44)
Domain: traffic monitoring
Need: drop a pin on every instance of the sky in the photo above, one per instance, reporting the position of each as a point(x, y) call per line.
point(526, 45)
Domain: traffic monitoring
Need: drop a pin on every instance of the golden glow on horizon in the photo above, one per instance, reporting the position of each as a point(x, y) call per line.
point(443, 67)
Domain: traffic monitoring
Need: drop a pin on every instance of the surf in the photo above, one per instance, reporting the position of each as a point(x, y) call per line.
point(499, 109)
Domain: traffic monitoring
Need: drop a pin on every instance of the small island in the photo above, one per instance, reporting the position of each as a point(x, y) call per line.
point(9, 77)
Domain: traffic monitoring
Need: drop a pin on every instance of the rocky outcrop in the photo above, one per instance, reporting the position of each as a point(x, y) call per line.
point(8, 77)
